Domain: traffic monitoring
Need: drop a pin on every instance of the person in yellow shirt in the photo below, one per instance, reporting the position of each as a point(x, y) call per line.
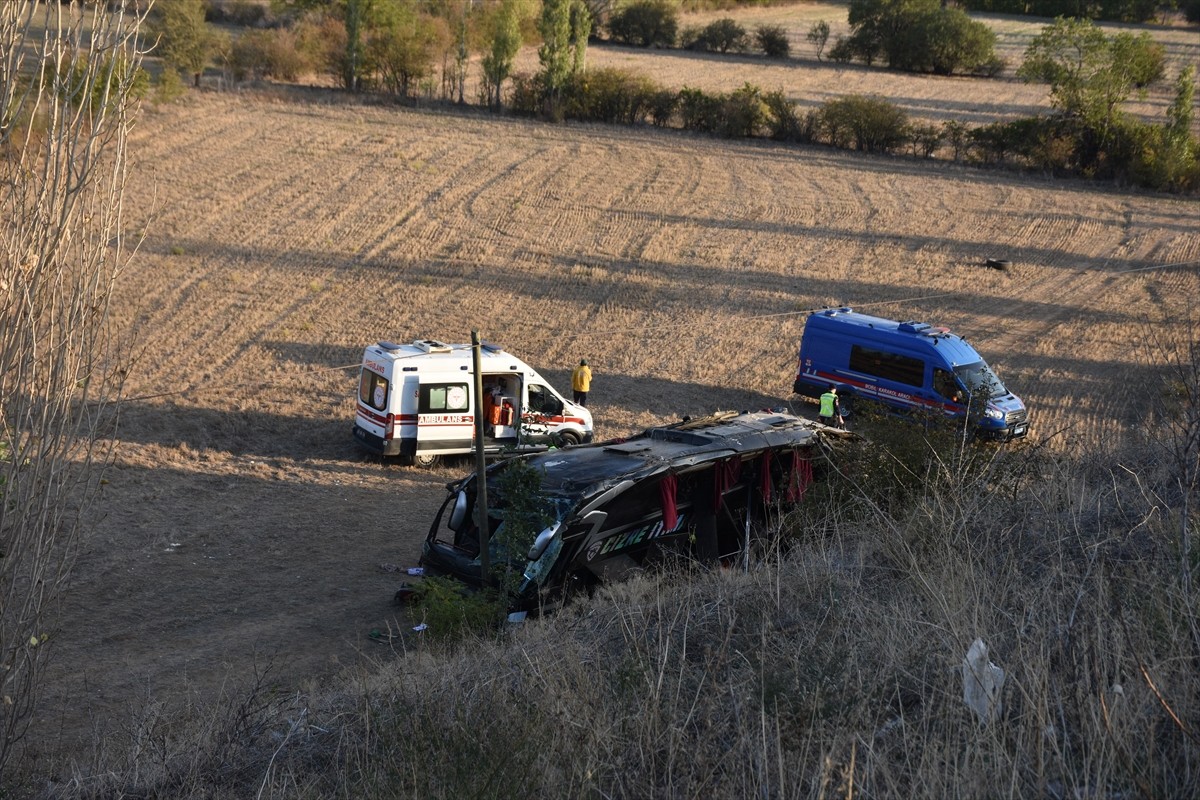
point(581, 382)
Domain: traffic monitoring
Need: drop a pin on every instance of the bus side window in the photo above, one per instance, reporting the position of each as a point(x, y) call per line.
point(945, 385)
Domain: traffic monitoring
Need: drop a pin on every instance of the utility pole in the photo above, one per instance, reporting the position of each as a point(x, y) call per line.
point(481, 509)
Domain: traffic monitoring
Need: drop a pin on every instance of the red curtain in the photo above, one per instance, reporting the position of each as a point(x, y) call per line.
point(724, 476)
point(666, 492)
point(800, 479)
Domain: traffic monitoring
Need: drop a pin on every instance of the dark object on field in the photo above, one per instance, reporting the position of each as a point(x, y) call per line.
point(1001, 264)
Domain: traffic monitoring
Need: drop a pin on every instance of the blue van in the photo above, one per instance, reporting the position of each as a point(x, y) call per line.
point(908, 366)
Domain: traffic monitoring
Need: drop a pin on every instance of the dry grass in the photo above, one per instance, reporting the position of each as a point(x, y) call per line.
point(285, 234)
point(833, 672)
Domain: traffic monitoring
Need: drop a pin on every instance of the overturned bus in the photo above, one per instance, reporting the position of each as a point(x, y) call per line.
point(693, 488)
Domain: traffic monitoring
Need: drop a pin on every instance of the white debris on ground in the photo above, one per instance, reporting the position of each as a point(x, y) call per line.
point(982, 682)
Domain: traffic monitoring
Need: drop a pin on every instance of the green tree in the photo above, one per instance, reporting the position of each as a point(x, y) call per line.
point(504, 43)
point(818, 35)
point(563, 41)
point(648, 23)
point(1090, 75)
point(1170, 159)
point(401, 44)
point(186, 42)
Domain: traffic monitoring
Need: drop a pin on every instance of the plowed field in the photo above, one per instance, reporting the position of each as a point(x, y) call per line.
point(241, 526)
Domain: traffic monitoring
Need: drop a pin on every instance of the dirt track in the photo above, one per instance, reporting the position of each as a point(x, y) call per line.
point(241, 525)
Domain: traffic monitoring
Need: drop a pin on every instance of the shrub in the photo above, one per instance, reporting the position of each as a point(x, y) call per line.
point(609, 95)
point(525, 96)
point(918, 36)
point(925, 139)
point(783, 121)
point(699, 111)
point(268, 54)
point(663, 105)
point(868, 124)
point(721, 36)
point(646, 23)
point(773, 41)
point(842, 51)
point(742, 113)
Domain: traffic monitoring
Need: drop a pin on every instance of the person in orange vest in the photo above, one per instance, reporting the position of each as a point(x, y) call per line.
point(581, 382)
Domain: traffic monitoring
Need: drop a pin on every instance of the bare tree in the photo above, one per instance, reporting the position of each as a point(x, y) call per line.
point(69, 80)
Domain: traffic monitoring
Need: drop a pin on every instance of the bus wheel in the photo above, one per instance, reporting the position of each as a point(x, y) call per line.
point(427, 460)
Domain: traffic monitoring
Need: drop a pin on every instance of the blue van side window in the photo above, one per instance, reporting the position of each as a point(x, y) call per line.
point(889, 366)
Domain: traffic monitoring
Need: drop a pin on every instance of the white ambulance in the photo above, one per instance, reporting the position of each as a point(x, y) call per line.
point(417, 401)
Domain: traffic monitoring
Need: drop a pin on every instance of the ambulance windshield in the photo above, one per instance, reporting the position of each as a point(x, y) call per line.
point(979, 376)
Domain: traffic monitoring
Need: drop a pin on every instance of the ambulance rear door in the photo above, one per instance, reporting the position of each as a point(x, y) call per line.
point(445, 416)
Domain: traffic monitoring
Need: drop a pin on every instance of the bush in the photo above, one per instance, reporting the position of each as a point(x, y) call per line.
point(268, 54)
point(742, 113)
point(918, 36)
point(721, 36)
point(645, 23)
point(698, 111)
point(609, 95)
point(773, 41)
point(663, 105)
point(782, 120)
point(525, 94)
point(868, 124)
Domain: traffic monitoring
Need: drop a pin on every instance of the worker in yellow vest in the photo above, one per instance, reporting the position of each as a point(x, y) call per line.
point(831, 409)
point(581, 382)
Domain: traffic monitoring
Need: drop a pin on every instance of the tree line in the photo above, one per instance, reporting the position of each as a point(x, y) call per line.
point(398, 46)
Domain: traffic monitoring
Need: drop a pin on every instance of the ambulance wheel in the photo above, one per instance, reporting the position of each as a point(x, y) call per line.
point(568, 438)
point(426, 460)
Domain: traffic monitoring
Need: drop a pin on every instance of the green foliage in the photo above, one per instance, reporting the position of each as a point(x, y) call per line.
point(504, 42)
point(169, 87)
point(186, 42)
point(663, 104)
point(1171, 158)
point(524, 514)
point(645, 23)
point(1090, 76)
point(917, 36)
point(1144, 58)
point(773, 41)
point(868, 124)
point(1113, 10)
point(783, 120)
point(401, 46)
point(818, 35)
point(611, 95)
point(564, 26)
point(698, 111)
point(452, 612)
point(720, 36)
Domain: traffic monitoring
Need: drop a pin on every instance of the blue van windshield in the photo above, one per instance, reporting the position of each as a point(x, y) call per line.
point(980, 376)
